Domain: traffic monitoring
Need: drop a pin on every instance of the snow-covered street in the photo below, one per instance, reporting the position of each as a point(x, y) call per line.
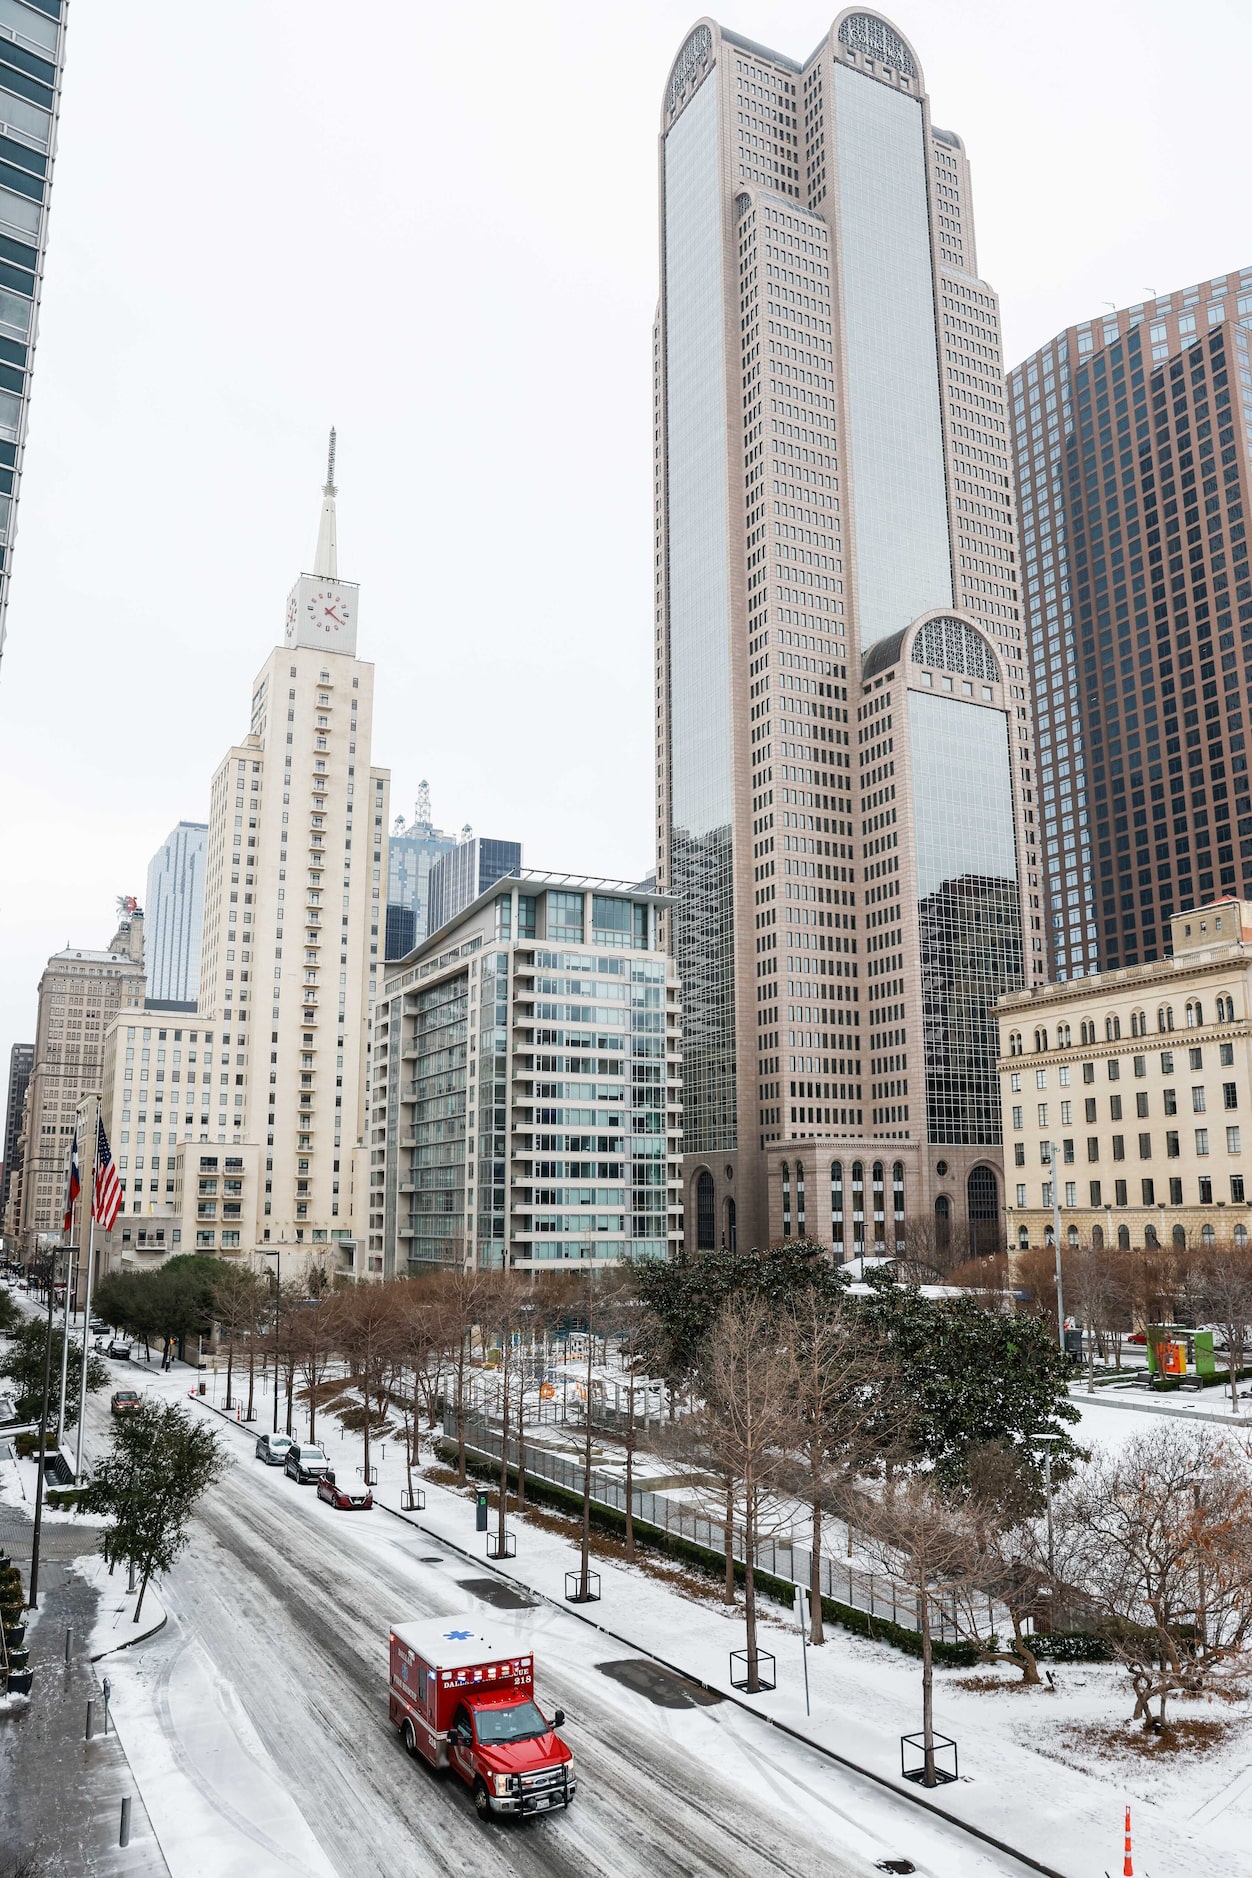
point(256, 1724)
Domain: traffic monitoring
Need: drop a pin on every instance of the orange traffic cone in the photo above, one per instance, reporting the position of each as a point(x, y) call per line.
point(1128, 1869)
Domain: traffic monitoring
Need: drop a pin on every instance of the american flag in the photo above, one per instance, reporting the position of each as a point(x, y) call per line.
point(73, 1186)
point(107, 1198)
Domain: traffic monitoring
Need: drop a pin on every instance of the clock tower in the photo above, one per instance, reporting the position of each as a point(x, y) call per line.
point(321, 608)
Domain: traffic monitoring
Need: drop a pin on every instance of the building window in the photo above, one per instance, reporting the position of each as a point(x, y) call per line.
point(1119, 1193)
point(836, 1205)
point(1236, 1194)
point(1230, 1095)
point(1201, 1140)
point(1094, 1189)
point(1234, 1142)
point(1206, 1190)
point(1198, 1103)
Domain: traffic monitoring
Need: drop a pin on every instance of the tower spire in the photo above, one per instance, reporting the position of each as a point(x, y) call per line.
point(326, 558)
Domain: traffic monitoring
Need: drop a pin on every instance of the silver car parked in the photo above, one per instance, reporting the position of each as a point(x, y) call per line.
point(272, 1449)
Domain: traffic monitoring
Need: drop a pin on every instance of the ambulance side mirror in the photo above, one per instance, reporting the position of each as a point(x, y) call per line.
point(558, 1718)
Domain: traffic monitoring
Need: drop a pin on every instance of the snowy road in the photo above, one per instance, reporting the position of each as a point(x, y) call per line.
point(297, 1621)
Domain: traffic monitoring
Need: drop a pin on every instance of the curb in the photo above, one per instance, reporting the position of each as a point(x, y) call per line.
point(1103, 1399)
point(129, 1643)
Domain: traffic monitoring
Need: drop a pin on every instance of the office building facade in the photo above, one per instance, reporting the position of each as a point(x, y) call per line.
point(1131, 1088)
point(458, 876)
point(840, 673)
point(1133, 435)
point(21, 1062)
point(528, 1085)
point(174, 914)
point(80, 994)
point(411, 853)
point(32, 56)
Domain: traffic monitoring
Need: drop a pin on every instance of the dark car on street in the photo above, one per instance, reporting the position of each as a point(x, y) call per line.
point(273, 1449)
point(305, 1464)
point(345, 1498)
point(120, 1352)
point(125, 1401)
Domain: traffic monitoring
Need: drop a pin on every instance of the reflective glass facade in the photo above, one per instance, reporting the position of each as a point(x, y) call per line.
point(411, 854)
point(457, 877)
point(1132, 441)
point(174, 914)
point(894, 447)
point(969, 908)
point(699, 649)
point(32, 46)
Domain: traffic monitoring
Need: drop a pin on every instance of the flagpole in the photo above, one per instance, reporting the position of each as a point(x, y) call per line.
point(91, 1249)
point(65, 1333)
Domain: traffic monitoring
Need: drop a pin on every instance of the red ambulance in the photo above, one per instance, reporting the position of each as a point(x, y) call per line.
point(462, 1702)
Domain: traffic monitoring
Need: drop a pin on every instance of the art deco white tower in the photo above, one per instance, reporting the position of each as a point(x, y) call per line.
point(292, 947)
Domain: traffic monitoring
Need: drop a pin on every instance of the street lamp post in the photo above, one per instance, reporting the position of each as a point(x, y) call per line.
point(275, 1253)
point(1047, 1441)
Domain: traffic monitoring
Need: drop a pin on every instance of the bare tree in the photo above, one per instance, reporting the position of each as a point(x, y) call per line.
point(1095, 1292)
point(317, 1326)
point(1160, 1539)
point(462, 1298)
point(1225, 1286)
point(367, 1335)
point(926, 1542)
point(836, 1382)
point(743, 1424)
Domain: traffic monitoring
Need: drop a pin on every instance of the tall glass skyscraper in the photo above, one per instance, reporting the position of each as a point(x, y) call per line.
point(1133, 434)
point(174, 914)
point(411, 853)
point(844, 792)
point(32, 51)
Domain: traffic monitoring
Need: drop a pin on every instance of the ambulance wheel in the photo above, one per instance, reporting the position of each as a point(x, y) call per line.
point(482, 1804)
point(409, 1738)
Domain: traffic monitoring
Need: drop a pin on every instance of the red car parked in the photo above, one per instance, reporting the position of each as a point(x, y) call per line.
point(343, 1497)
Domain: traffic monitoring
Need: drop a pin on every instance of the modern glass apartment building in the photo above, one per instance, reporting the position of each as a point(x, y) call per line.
point(466, 869)
point(174, 914)
point(844, 783)
point(32, 52)
point(527, 1085)
point(1133, 435)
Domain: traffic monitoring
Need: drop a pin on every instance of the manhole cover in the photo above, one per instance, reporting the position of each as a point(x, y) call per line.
point(895, 1864)
point(491, 1591)
point(430, 1561)
point(659, 1686)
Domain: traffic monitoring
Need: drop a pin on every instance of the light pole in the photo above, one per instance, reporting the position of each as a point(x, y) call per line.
point(1047, 1441)
point(1056, 1243)
point(275, 1253)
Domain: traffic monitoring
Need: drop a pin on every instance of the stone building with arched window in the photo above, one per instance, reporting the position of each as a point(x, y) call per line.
point(1145, 1122)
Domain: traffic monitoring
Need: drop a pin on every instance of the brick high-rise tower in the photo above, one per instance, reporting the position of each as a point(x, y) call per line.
point(845, 804)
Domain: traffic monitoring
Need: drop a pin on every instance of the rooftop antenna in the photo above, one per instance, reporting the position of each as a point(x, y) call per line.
point(326, 555)
point(422, 812)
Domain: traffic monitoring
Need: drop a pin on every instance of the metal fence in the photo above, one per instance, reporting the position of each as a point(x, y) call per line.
point(875, 1593)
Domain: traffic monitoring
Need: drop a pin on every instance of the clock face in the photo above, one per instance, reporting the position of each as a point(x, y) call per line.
point(328, 612)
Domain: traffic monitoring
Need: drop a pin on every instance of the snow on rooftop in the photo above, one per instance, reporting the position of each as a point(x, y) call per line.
point(453, 1643)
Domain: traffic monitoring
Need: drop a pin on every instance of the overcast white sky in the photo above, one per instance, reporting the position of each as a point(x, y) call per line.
point(435, 226)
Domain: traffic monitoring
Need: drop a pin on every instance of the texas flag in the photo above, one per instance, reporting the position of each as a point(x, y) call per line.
point(73, 1186)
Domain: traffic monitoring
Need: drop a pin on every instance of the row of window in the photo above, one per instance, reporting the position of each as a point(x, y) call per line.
point(1199, 1105)
point(1234, 1145)
point(1139, 1064)
point(1113, 1026)
point(1097, 1194)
